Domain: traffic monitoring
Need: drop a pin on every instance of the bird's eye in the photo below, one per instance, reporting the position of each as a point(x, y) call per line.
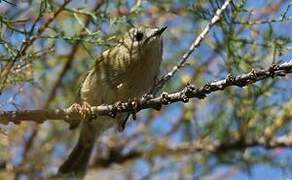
point(139, 36)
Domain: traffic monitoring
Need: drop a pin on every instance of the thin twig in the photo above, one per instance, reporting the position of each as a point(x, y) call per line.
point(27, 43)
point(196, 43)
point(71, 57)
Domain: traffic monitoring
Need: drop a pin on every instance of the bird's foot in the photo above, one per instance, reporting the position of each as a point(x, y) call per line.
point(84, 110)
point(134, 105)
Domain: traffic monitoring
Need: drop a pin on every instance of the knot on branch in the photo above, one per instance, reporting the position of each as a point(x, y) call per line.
point(272, 70)
point(207, 87)
point(253, 76)
point(189, 90)
point(230, 78)
point(187, 93)
point(117, 107)
point(184, 98)
point(165, 98)
point(147, 97)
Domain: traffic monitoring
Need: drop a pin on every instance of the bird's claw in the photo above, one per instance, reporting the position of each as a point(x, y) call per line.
point(84, 110)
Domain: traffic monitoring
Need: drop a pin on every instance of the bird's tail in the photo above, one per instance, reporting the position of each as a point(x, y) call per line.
point(76, 164)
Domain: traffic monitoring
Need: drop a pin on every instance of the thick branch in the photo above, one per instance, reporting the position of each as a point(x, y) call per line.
point(163, 148)
point(145, 103)
point(221, 147)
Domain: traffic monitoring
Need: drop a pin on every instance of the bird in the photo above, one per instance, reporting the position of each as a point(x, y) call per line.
point(127, 70)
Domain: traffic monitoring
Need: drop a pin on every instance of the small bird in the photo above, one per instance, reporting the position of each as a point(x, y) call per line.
point(127, 70)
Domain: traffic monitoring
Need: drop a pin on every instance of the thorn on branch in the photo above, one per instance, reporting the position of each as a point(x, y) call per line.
point(134, 106)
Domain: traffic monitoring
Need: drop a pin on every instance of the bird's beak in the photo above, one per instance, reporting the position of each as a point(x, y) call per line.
point(160, 31)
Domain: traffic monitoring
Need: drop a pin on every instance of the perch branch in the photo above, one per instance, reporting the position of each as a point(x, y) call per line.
point(184, 95)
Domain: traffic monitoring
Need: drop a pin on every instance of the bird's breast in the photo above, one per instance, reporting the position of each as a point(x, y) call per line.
point(140, 77)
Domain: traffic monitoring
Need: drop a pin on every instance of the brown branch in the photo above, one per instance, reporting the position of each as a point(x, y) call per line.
point(115, 157)
point(183, 95)
point(162, 148)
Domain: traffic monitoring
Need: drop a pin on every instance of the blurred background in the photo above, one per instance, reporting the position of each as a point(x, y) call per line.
point(46, 46)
